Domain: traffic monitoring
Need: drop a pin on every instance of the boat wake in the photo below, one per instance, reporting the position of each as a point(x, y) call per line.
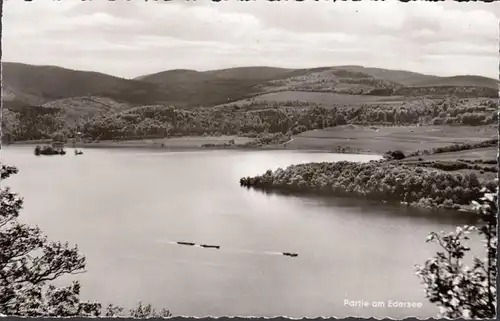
point(224, 249)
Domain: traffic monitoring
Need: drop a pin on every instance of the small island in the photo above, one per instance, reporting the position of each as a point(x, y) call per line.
point(48, 150)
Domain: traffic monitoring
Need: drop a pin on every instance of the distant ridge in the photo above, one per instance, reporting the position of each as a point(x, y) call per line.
point(30, 85)
point(173, 72)
point(257, 72)
point(47, 83)
point(242, 73)
point(402, 77)
point(463, 80)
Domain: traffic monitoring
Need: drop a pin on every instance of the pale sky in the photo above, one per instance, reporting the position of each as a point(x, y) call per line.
point(136, 37)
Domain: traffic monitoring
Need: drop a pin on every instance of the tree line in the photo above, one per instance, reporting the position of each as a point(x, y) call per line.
point(377, 180)
point(245, 119)
point(456, 148)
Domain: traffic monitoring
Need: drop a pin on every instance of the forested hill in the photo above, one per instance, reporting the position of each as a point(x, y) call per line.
point(28, 85)
point(34, 85)
point(158, 121)
point(41, 100)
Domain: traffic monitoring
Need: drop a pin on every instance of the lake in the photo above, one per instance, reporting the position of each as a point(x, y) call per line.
point(127, 208)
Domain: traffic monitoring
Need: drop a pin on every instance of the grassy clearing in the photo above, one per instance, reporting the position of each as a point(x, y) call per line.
point(379, 140)
point(482, 177)
point(482, 154)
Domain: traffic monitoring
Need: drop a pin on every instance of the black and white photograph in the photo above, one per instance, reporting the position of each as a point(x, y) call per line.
point(205, 158)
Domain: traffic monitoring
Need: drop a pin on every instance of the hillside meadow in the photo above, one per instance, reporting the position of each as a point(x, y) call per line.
point(324, 99)
point(378, 139)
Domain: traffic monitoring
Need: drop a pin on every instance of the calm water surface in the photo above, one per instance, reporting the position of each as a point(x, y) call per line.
point(124, 209)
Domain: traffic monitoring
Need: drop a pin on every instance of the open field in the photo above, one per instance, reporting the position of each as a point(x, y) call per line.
point(321, 98)
point(478, 154)
point(367, 139)
point(407, 139)
point(381, 139)
point(472, 154)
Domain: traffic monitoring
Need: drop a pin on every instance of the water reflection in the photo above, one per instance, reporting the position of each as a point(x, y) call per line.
point(124, 208)
point(394, 211)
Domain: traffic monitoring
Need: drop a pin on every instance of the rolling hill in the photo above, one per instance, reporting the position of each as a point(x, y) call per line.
point(35, 85)
point(182, 75)
point(29, 85)
point(384, 82)
point(214, 87)
point(240, 73)
point(402, 77)
point(459, 81)
point(253, 73)
point(332, 80)
point(87, 106)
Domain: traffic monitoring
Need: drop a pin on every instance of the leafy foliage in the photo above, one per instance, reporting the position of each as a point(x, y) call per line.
point(254, 118)
point(251, 118)
point(34, 122)
point(396, 154)
point(48, 150)
point(457, 165)
point(269, 139)
point(29, 261)
point(375, 180)
point(461, 291)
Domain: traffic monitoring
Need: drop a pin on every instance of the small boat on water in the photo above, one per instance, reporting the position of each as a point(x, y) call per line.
point(78, 152)
point(210, 246)
point(290, 254)
point(186, 243)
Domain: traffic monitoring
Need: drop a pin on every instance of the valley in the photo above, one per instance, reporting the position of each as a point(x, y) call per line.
point(345, 109)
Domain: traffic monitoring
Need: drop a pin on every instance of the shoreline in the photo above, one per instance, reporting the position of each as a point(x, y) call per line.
point(385, 181)
point(188, 146)
point(198, 149)
point(464, 210)
point(347, 139)
point(220, 143)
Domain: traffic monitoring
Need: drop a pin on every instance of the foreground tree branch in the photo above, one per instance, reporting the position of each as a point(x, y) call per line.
point(458, 290)
point(28, 262)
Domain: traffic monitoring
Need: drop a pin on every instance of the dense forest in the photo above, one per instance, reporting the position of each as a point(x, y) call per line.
point(378, 180)
point(245, 119)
